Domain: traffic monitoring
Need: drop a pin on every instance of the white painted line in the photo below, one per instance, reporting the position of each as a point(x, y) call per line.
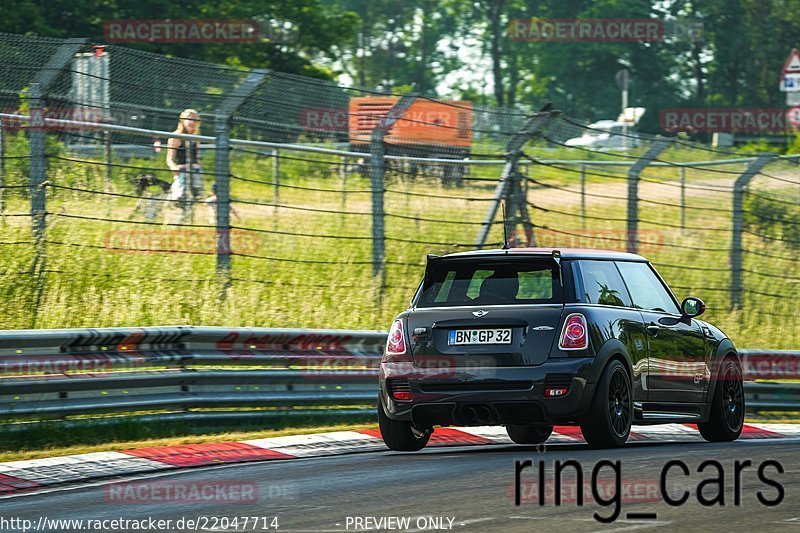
point(667, 432)
point(792, 430)
point(54, 470)
point(497, 434)
point(643, 525)
point(475, 521)
point(320, 444)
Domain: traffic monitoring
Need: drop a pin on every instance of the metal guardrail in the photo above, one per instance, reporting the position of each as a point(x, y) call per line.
point(189, 372)
point(214, 373)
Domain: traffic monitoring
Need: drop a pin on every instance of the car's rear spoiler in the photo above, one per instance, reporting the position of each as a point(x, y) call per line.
point(555, 254)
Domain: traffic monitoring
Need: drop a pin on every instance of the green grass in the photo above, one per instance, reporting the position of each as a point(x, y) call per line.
point(311, 252)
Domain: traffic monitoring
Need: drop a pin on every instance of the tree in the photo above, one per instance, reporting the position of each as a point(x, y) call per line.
point(319, 28)
point(400, 46)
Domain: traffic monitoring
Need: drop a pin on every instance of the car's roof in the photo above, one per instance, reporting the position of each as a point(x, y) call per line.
point(565, 253)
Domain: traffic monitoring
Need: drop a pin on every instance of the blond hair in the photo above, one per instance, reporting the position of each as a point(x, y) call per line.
point(186, 113)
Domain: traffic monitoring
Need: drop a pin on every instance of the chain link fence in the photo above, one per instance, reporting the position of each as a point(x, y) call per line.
point(310, 204)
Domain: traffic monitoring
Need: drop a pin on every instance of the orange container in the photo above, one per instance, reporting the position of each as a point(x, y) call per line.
point(445, 123)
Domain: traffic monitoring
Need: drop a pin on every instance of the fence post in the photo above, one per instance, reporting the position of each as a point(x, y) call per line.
point(535, 123)
point(222, 169)
point(37, 175)
point(739, 188)
point(658, 146)
point(222, 172)
point(109, 159)
point(2, 171)
point(38, 170)
point(187, 198)
point(683, 197)
point(583, 196)
point(36, 185)
point(377, 162)
point(343, 176)
point(276, 180)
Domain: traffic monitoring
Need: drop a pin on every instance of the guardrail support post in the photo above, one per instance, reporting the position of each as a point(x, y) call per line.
point(377, 165)
point(509, 176)
point(739, 188)
point(658, 146)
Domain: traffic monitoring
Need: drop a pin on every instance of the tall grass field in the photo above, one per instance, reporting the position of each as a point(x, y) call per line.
point(302, 239)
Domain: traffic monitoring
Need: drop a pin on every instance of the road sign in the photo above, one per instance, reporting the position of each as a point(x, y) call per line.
point(793, 116)
point(793, 63)
point(792, 99)
point(790, 82)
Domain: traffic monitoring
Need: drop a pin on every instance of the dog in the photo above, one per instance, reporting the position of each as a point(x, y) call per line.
point(149, 203)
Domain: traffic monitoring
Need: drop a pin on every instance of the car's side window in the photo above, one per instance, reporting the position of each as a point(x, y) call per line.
point(602, 284)
point(535, 284)
point(646, 289)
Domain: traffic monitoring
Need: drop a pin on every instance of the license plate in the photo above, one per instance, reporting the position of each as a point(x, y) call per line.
point(460, 337)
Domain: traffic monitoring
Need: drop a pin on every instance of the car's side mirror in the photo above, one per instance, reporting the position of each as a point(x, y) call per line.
point(692, 307)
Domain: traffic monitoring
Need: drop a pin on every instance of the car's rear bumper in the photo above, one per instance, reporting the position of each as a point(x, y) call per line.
point(489, 395)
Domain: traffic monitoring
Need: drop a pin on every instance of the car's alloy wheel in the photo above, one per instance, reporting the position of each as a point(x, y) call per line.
point(607, 423)
point(619, 403)
point(726, 417)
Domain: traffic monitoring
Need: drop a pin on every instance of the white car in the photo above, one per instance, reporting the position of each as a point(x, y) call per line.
point(606, 135)
point(611, 134)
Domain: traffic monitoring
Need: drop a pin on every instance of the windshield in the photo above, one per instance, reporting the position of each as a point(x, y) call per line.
point(464, 283)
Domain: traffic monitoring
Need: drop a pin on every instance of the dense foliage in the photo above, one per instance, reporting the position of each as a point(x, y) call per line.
point(462, 47)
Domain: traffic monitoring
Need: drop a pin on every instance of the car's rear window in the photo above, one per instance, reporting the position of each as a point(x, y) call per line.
point(460, 283)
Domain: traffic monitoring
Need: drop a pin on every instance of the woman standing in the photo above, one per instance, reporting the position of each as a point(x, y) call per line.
point(183, 160)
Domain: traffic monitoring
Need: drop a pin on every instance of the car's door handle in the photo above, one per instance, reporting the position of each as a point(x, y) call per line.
point(653, 329)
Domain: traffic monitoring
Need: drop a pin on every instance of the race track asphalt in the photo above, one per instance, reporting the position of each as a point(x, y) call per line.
point(472, 486)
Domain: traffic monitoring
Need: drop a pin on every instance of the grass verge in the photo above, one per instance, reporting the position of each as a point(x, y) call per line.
point(50, 440)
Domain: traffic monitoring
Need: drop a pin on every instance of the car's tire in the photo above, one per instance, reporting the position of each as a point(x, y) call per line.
point(607, 423)
point(726, 417)
point(528, 434)
point(400, 435)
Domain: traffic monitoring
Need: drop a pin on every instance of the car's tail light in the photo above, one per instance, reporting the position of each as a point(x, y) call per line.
point(396, 343)
point(575, 334)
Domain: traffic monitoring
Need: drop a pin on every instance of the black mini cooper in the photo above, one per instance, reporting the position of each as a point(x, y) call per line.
point(529, 338)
